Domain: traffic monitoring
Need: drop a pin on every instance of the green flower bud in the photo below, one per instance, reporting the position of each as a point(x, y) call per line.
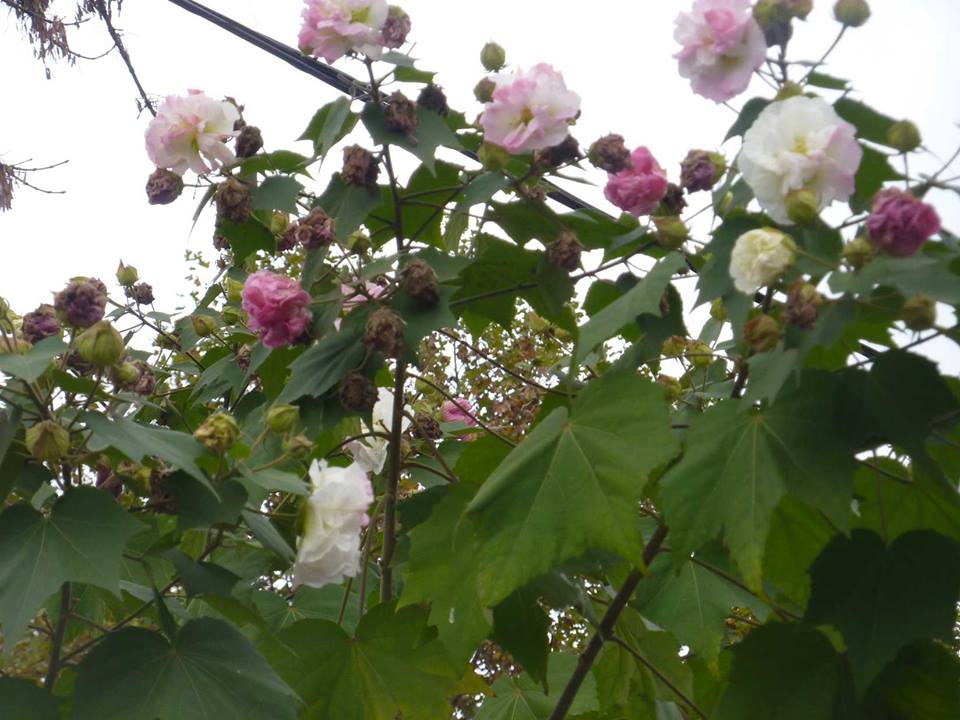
point(852, 13)
point(218, 433)
point(279, 222)
point(789, 90)
point(299, 446)
point(803, 207)
point(100, 345)
point(483, 91)
point(232, 315)
point(358, 242)
point(904, 136)
point(919, 312)
point(761, 334)
point(493, 57)
point(672, 387)
point(671, 232)
point(127, 275)
point(233, 289)
point(203, 325)
point(126, 374)
point(493, 157)
point(717, 311)
point(283, 418)
point(858, 252)
point(699, 354)
point(674, 346)
point(48, 441)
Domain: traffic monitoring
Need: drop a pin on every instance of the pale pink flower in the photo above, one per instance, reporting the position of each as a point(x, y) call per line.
point(188, 129)
point(722, 46)
point(459, 410)
point(639, 189)
point(278, 307)
point(332, 28)
point(530, 110)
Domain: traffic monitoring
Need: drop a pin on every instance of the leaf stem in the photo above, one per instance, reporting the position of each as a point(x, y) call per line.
point(55, 660)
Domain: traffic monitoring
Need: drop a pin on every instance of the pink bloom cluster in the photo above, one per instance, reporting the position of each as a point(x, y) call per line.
point(530, 110)
point(639, 189)
point(459, 410)
point(900, 223)
point(188, 129)
point(332, 28)
point(278, 307)
point(722, 46)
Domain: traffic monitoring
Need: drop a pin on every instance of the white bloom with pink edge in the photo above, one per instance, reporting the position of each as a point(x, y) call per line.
point(370, 453)
point(531, 110)
point(333, 28)
point(190, 128)
point(336, 512)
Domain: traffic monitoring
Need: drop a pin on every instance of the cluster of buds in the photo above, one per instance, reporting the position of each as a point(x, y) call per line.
point(234, 201)
point(163, 187)
point(565, 251)
point(610, 153)
point(218, 433)
point(358, 393)
point(384, 332)
point(360, 167)
point(400, 114)
point(315, 231)
point(420, 282)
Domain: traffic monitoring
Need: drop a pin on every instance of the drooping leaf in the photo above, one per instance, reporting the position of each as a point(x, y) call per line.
point(82, 540)
point(209, 671)
point(520, 626)
point(883, 598)
point(323, 366)
point(32, 364)
point(573, 484)
point(279, 192)
point(329, 125)
point(22, 700)
point(922, 684)
point(932, 272)
point(431, 133)
point(870, 124)
point(875, 170)
point(522, 698)
point(748, 116)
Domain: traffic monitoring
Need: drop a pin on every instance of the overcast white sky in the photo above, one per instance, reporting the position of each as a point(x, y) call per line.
point(616, 54)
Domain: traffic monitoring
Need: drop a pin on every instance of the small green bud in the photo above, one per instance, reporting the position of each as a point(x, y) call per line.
point(852, 13)
point(358, 243)
point(299, 446)
point(717, 311)
point(858, 252)
point(904, 136)
point(100, 345)
point(493, 57)
point(919, 312)
point(48, 441)
point(232, 315)
point(493, 157)
point(218, 433)
point(283, 418)
point(127, 275)
point(725, 205)
point(672, 387)
point(233, 289)
point(126, 374)
point(483, 91)
point(761, 334)
point(671, 232)
point(279, 222)
point(699, 354)
point(803, 207)
point(203, 325)
point(789, 90)
point(674, 346)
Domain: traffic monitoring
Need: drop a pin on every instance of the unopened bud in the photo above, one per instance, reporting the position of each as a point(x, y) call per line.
point(493, 57)
point(396, 28)
point(717, 311)
point(852, 13)
point(699, 354)
point(483, 91)
point(127, 275)
point(858, 252)
point(233, 289)
point(316, 230)
point(919, 312)
point(788, 90)
point(565, 251)
point(358, 242)
point(493, 157)
point(904, 136)
point(141, 293)
point(610, 153)
point(761, 334)
point(803, 302)
point(671, 232)
point(426, 427)
point(249, 142)
point(420, 282)
point(400, 114)
point(360, 167)
point(803, 207)
point(283, 418)
point(672, 386)
point(218, 433)
point(125, 374)
point(234, 201)
point(384, 332)
point(701, 170)
point(203, 325)
point(358, 393)
point(298, 446)
point(433, 99)
point(47, 441)
point(100, 345)
point(163, 187)
point(773, 17)
point(674, 346)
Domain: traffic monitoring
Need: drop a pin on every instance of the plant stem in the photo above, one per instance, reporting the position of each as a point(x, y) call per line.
point(393, 481)
point(61, 630)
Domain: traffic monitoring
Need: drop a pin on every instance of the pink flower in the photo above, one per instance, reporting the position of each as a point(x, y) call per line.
point(459, 410)
point(279, 308)
point(332, 28)
point(639, 189)
point(722, 46)
point(190, 128)
point(900, 223)
point(530, 110)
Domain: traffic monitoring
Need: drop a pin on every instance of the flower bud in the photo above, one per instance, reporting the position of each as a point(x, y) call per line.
point(141, 293)
point(384, 332)
point(426, 427)
point(234, 201)
point(802, 303)
point(396, 28)
point(761, 334)
point(249, 142)
point(493, 57)
point(566, 152)
point(671, 232)
point(40, 324)
point(125, 374)
point(904, 136)
point(858, 252)
point(360, 167)
point(672, 386)
point(420, 282)
point(232, 315)
point(146, 381)
point(773, 17)
point(283, 418)
point(47, 441)
point(674, 346)
point(298, 446)
point(803, 207)
point(100, 345)
point(701, 170)
point(358, 242)
point(233, 289)
point(163, 187)
point(852, 13)
point(358, 393)
point(127, 275)
point(82, 303)
point(483, 91)
point(493, 157)
point(699, 353)
point(316, 230)
point(400, 114)
point(673, 202)
point(203, 325)
point(788, 90)
point(717, 311)
point(218, 433)
point(565, 251)
point(919, 312)
point(610, 153)
point(433, 99)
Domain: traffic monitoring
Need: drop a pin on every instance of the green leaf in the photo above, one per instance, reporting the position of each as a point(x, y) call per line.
point(33, 364)
point(201, 578)
point(870, 124)
point(22, 700)
point(10, 462)
point(420, 320)
point(923, 684)
point(520, 626)
point(875, 169)
point(740, 461)
point(748, 116)
point(321, 367)
point(329, 125)
point(138, 441)
point(883, 598)
point(829, 82)
point(643, 298)
point(928, 272)
point(272, 479)
point(246, 238)
point(81, 540)
point(349, 205)
point(391, 668)
point(786, 672)
point(277, 193)
point(522, 698)
point(210, 671)
point(199, 507)
point(264, 531)
point(432, 132)
point(573, 484)
point(798, 534)
point(284, 161)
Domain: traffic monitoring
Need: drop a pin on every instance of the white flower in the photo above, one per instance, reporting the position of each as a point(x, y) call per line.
point(799, 143)
point(759, 257)
point(336, 513)
point(188, 129)
point(371, 452)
